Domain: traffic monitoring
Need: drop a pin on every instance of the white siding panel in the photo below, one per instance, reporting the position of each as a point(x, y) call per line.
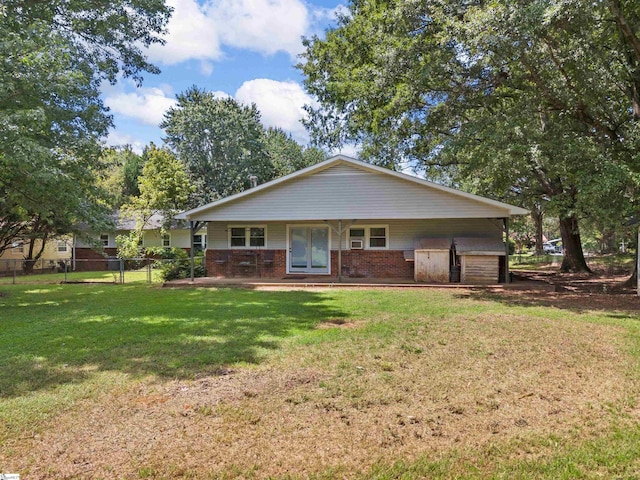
point(401, 236)
point(346, 192)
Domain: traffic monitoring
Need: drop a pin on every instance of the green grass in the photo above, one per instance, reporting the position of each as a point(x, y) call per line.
point(130, 276)
point(622, 262)
point(62, 345)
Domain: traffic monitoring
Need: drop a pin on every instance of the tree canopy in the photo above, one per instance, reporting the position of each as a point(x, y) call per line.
point(287, 155)
point(164, 189)
point(221, 142)
point(532, 102)
point(53, 57)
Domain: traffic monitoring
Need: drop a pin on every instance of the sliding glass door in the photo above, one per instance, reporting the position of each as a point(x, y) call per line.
point(309, 249)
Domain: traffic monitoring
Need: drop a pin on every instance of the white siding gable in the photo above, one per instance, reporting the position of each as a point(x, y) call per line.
point(344, 191)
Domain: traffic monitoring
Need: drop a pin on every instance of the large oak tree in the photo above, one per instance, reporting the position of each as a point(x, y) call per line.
point(525, 100)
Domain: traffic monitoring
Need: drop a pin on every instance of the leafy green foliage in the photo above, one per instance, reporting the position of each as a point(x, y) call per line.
point(220, 141)
point(118, 175)
point(175, 263)
point(164, 189)
point(287, 155)
point(54, 55)
point(532, 102)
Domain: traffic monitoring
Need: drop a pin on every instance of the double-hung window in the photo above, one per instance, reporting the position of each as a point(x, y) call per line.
point(199, 242)
point(252, 236)
point(104, 239)
point(166, 240)
point(372, 237)
point(62, 247)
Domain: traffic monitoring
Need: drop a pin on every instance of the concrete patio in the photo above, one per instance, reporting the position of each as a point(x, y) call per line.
point(308, 281)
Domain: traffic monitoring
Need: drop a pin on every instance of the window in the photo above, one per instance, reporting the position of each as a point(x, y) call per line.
point(166, 240)
point(247, 237)
point(377, 237)
point(256, 236)
point(104, 239)
point(18, 247)
point(373, 236)
point(63, 247)
point(199, 242)
point(238, 237)
point(356, 233)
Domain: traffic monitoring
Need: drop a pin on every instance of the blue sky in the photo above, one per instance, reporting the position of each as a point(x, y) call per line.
point(243, 48)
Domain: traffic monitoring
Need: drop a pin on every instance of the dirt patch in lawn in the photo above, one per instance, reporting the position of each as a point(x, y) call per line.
point(436, 386)
point(577, 292)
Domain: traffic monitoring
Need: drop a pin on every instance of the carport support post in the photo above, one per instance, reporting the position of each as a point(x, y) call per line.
point(339, 251)
point(192, 231)
point(506, 249)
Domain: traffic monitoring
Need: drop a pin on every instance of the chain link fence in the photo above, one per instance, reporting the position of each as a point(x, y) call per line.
point(95, 270)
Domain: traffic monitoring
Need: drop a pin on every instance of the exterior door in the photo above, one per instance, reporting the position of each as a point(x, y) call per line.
point(309, 249)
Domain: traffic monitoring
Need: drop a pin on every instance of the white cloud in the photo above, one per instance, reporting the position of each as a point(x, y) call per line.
point(206, 68)
point(193, 34)
point(266, 26)
point(350, 150)
point(117, 139)
point(145, 104)
point(280, 103)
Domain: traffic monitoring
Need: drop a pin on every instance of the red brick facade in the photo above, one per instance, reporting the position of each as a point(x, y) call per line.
point(355, 263)
point(89, 260)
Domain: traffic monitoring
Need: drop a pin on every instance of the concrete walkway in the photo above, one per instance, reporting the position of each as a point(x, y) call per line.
point(347, 282)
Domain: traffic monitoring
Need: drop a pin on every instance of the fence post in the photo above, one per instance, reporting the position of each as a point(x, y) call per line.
point(122, 270)
point(65, 271)
point(148, 270)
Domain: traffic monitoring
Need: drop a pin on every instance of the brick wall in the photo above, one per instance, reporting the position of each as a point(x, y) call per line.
point(355, 263)
point(89, 260)
point(236, 263)
point(373, 264)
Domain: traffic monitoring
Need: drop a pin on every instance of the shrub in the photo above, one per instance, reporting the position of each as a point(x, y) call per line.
point(174, 263)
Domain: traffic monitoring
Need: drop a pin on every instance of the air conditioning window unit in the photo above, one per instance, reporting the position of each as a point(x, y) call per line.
point(356, 244)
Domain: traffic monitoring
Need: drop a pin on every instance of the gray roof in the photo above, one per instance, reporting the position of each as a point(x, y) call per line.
point(486, 246)
point(154, 223)
point(433, 244)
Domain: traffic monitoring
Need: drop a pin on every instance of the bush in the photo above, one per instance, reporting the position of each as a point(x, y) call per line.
point(174, 263)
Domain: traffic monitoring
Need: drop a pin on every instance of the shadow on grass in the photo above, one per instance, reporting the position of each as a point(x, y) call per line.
point(611, 305)
point(52, 336)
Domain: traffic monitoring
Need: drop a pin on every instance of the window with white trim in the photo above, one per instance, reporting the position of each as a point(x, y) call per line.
point(251, 236)
point(199, 242)
point(104, 239)
point(374, 237)
point(377, 237)
point(166, 240)
point(63, 247)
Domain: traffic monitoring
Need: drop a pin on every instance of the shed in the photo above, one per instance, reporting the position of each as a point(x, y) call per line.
point(479, 259)
point(432, 260)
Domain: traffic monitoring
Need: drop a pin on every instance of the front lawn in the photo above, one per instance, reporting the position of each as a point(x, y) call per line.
point(111, 381)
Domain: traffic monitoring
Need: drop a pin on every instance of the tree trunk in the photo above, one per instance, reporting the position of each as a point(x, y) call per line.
point(632, 281)
point(573, 260)
point(536, 216)
point(31, 260)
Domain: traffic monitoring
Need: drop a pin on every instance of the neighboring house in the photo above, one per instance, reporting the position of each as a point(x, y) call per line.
point(89, 256)
point(55, 250)
point(371, 221)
